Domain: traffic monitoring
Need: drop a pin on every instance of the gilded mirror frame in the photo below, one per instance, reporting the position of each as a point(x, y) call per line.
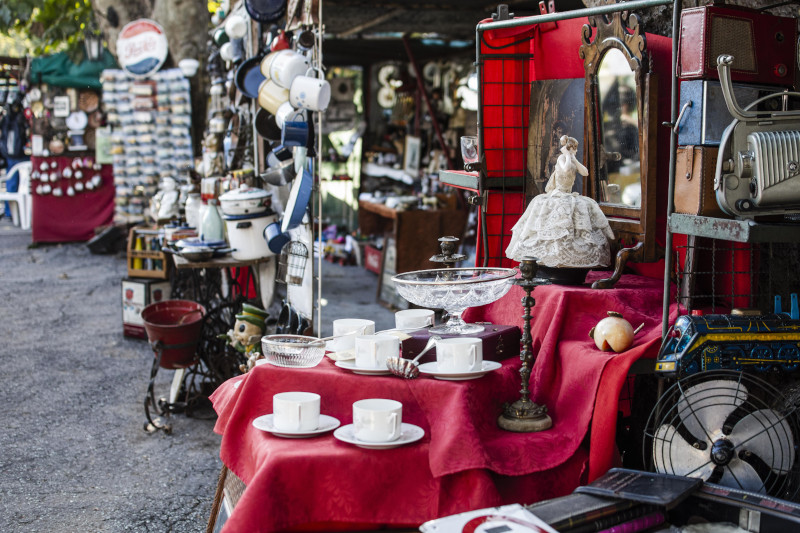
point(633, 226)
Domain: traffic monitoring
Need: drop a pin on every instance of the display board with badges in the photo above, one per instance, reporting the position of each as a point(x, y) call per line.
point(150, 136)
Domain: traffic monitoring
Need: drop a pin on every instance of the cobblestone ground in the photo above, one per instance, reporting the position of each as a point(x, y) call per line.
point(73, 453)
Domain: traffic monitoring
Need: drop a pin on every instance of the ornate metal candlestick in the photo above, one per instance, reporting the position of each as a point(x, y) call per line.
point(448, 257)
point(524, 416)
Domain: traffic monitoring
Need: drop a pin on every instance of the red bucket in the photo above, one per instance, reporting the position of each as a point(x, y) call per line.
point(176, 326)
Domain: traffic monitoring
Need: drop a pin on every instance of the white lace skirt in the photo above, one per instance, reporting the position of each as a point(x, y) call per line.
point(562, 230)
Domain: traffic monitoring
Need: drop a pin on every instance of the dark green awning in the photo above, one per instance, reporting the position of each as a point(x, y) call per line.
point(59, 70)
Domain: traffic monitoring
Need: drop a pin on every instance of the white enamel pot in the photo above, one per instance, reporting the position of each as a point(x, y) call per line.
point(245, 235)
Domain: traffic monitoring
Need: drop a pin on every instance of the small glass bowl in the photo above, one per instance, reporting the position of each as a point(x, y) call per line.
point(292, 351)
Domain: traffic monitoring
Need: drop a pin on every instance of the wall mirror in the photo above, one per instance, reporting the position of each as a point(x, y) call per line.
point(620, 136)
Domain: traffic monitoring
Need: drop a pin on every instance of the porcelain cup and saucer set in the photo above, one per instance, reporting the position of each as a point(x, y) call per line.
point(296, 415)
point(378, 425)
point(377, 422)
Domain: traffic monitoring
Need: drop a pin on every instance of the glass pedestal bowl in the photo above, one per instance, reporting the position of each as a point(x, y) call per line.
point(454, 290)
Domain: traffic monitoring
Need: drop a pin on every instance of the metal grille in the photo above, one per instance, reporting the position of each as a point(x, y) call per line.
point(504, 66)
point(733, 36)
point(715, 276)
point(776, 156)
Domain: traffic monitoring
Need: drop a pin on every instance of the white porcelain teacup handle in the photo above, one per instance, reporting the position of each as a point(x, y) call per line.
point(299, 416)
point(473, 356)
point(395, 421)
point(374, 353)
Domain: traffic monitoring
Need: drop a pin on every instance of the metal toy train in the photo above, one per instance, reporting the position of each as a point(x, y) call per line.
point(761, 343)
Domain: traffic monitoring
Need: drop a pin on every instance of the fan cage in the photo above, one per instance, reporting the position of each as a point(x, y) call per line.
point(760, 395)
point(292, 263)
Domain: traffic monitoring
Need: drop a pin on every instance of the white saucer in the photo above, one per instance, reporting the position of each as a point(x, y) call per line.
point(408, 433)
point(365, 371)
point(326, 423)
point(432, 369)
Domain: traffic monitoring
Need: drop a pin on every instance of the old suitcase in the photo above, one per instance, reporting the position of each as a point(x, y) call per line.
point(695, 167)
point(764, 46)
point(499, 343)
point(707, 116)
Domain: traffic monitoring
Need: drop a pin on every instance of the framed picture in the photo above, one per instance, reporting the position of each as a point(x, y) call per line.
point(556, 110)
point(412, 155)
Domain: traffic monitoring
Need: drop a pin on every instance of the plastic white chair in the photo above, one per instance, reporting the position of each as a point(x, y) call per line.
point(21, 203)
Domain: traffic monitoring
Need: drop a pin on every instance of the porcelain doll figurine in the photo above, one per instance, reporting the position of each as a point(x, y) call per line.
point(561, 228)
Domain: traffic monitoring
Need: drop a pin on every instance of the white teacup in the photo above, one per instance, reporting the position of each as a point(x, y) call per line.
point(295, 411)
point(459, 354)
point(271, 95)
point(413, 318)
point(287, 113)
point(373, 350)
point(346, 329)
point(310, 93)
point(377, 420)
point(286, 66)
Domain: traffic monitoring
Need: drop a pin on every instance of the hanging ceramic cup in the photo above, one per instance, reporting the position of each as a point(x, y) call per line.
point(271, 96)
point(294, 134)
point(287, 112)
point(310, 93)
point(286, 66)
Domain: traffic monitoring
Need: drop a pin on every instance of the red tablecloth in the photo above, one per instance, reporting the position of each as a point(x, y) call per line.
point(578, 383)
point(464, 461)
point(456, 467)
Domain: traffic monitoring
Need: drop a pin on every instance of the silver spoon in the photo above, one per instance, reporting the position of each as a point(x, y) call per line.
point(409, 368)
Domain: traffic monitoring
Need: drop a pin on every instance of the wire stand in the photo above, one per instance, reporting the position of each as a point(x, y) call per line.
point(164, 407)
point(525, 416)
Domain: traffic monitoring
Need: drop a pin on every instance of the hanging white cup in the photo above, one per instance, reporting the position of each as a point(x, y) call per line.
point(310, 93)
point(286, 66)
point(288, 113)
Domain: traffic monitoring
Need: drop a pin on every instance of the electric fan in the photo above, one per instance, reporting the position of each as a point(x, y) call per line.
point(728, 428)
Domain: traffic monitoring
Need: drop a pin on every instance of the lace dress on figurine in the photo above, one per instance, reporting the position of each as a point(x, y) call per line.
point(561, 228)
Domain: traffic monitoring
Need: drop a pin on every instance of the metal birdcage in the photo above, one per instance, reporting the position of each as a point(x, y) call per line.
point(292, 263)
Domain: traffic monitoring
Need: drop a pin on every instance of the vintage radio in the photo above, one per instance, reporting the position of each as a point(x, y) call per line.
point(704, 115)
point(764, 46)
point(758, 167)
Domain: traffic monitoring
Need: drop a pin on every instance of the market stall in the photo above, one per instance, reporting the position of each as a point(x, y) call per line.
point(579, 384)
point(72, 182)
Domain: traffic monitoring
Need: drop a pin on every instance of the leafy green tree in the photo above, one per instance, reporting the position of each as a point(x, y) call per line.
point(51, 25)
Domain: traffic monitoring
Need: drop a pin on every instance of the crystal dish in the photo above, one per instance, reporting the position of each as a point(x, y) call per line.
point(292, 351)
point(454, 290)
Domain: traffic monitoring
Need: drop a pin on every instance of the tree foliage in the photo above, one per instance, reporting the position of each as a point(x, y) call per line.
point(51, 25)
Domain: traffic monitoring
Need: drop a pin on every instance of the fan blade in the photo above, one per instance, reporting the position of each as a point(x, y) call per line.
point(703, 408)
point(766, 434)
point(673, 455)
point(739, 474)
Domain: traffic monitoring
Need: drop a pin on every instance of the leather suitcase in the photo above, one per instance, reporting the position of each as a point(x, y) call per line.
point(707, 116)
point(499, 343)
point(695, 167)
point(763, 46)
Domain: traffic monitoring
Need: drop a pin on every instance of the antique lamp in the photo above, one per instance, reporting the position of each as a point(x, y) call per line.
point(525, 416)
point(93, 42)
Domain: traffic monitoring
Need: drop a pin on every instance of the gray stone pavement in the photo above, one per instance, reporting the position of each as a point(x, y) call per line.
point(73, 453)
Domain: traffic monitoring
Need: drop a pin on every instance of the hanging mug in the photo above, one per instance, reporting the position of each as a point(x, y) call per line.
point(286, 66)
point(271, 96)
point(287, 112)
point(294, 134)
point(310, 93)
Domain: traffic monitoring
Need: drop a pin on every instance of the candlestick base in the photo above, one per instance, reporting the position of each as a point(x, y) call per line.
point(524, 416)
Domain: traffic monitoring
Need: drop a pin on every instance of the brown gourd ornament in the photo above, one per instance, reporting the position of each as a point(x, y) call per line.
point(614, 333)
